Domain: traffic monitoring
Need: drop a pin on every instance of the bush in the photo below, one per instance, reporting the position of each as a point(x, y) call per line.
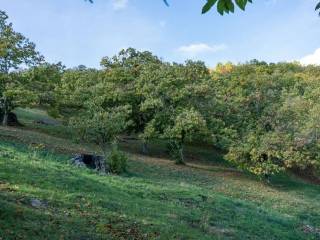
point(117, 161)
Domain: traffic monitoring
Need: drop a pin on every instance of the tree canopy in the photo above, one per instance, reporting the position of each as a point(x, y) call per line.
point(15, 51)
point(264, 116)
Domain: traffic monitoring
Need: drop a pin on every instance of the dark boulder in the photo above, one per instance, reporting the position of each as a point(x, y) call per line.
point(90, 161)
point(12, 120)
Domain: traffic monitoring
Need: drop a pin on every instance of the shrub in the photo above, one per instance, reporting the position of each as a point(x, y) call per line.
point(117, 161)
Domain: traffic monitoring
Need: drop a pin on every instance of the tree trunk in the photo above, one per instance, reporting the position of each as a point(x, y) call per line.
point(180, 149)
point(104, 163)
point(180, 145)
point(182, 152)
point(5, 118)
point(5, 112)
point(145, 147)
point(177, 152)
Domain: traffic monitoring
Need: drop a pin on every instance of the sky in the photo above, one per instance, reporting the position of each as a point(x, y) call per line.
point(76, 32)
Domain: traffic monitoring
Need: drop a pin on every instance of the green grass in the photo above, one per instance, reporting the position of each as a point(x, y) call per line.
point(29, 117)
point(155, 199)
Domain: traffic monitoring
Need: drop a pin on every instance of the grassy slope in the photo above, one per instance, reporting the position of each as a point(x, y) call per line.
point(154, 200)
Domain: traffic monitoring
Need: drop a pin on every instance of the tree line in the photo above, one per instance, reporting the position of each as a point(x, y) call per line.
point(265, 117)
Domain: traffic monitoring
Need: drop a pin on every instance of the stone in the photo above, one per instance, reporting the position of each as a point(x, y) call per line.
point(47, 122)
point(12, 119)
point(90, 161)
point(37, 203)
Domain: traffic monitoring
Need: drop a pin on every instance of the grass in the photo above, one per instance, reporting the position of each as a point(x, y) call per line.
point(155, 199)
point(30, 117)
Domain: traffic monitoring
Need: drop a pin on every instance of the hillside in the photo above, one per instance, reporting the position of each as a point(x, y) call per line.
point(155, 199)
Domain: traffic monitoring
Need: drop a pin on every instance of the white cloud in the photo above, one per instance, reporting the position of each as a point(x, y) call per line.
point(119, 4)
point(201, 48)
point(313, 58)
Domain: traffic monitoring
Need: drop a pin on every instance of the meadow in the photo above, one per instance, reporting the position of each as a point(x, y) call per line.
point(155, 199)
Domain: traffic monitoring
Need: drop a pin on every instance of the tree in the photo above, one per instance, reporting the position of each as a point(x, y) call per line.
point(101, 125)
point(274, 110)
point(180, 102)
point(15, 92)
point(15, 51)
point(74, 90)
point(43, 80)
point(97, 105)
point(120, 75)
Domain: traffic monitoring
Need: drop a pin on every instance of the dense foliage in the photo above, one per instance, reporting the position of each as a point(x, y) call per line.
point(274, 111)
point(265, 116)
point(15, 51)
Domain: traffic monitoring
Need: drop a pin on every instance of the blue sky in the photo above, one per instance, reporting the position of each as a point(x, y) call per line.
point(76, 32)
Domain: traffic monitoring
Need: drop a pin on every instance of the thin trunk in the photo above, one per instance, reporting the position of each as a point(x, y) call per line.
point(104, 165)
point(5, 118)
point(5, 112)
point(181, 148)
point(179, 152)
point(144, 147)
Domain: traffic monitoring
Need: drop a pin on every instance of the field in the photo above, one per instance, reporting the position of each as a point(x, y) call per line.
point(156, 199)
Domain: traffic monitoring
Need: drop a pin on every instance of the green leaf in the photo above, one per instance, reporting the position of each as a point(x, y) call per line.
point(230, 5)
point(241, 4)
point(208, 6)
point(221, 7)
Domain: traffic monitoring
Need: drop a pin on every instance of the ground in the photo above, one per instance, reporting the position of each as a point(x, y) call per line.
point(155, 199)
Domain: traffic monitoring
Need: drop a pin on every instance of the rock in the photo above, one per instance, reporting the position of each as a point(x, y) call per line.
point(37, 203)
point(78, 161)
point(90, 161)
point(311, 229)
point(12, 119)
point(47, 122)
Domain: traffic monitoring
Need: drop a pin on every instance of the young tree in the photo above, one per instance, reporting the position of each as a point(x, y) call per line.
point(15, 51)
point(102, 126)
point(96, 106)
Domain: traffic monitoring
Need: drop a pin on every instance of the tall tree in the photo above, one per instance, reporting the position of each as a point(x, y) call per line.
point(180, 101)
point(15, 51)
point(120, 74)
